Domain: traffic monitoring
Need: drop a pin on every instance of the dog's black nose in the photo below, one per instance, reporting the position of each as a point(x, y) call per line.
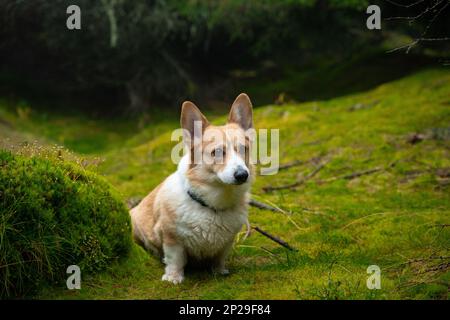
point(240, 175)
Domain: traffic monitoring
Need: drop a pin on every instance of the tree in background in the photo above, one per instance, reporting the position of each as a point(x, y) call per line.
point(155, 51)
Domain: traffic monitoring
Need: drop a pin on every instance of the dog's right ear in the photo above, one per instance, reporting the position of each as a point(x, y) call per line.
point(192, 121)
point(241, 112)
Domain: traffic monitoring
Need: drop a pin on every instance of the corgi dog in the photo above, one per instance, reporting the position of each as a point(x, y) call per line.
point(196, 213)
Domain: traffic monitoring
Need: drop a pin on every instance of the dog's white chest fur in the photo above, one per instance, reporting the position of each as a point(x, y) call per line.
point(205, 232)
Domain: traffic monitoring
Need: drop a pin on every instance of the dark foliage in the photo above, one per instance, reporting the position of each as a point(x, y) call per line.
point(144, 52)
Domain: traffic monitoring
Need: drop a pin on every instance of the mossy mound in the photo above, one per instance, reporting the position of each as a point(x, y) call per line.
point(54, 214)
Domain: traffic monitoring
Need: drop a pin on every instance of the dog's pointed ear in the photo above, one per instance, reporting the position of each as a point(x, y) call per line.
point(241, 112)
point(192, 120)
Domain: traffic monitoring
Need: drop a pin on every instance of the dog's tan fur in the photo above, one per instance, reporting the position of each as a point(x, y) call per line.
point(172, 225)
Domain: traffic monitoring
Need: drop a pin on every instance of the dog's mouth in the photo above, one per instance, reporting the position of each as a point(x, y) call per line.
point(238, 183)
point(232, 183)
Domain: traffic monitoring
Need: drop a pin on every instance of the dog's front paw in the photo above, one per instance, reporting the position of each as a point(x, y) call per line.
point(175, 278)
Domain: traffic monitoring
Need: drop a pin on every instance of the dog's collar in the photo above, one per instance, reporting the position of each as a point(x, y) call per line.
point(199, 200)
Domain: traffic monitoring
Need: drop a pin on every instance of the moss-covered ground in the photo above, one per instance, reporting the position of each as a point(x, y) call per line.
point(341, 220)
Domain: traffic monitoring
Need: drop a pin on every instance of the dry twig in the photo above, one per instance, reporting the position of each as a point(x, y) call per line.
point(432, 8)
point(263, 206)
point(291, 164)
point(273, 238)
point(298, 182)
point(358, 174)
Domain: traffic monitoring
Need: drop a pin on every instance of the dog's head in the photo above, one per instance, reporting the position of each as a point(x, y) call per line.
point(219, 154)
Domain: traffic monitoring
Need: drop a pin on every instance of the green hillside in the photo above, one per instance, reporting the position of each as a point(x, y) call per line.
point(371, 173)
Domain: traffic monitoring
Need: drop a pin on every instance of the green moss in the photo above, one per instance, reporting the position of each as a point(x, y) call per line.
point(54, 214)
point(396, 218)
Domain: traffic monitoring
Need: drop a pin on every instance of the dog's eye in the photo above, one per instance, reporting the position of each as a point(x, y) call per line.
point(242, 149)
point(218, 152)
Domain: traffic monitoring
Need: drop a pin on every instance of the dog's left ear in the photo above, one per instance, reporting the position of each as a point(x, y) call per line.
point(241, 112)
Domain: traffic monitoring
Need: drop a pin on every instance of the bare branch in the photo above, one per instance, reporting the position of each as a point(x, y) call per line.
point(416, 41)
point(434, 19)
point(357, 174)
point(412, 19)
point(291, 164)
point(405, 5)
point(298, 182)
point(273, 238)
point(437, 8)
point(263, 206)
point(407, 47)
point(353, 175)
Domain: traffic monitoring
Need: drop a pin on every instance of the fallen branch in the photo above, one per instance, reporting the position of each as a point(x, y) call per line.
point(263, 206)
point(358, 174)
point(421, 261)
point(411, 261)
point(273, 238)
point(299, 163)
point(353, 175)
point(439, 267)
point(296, 163)
point(278, 209)
point(291, 164)
point(298, 182)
